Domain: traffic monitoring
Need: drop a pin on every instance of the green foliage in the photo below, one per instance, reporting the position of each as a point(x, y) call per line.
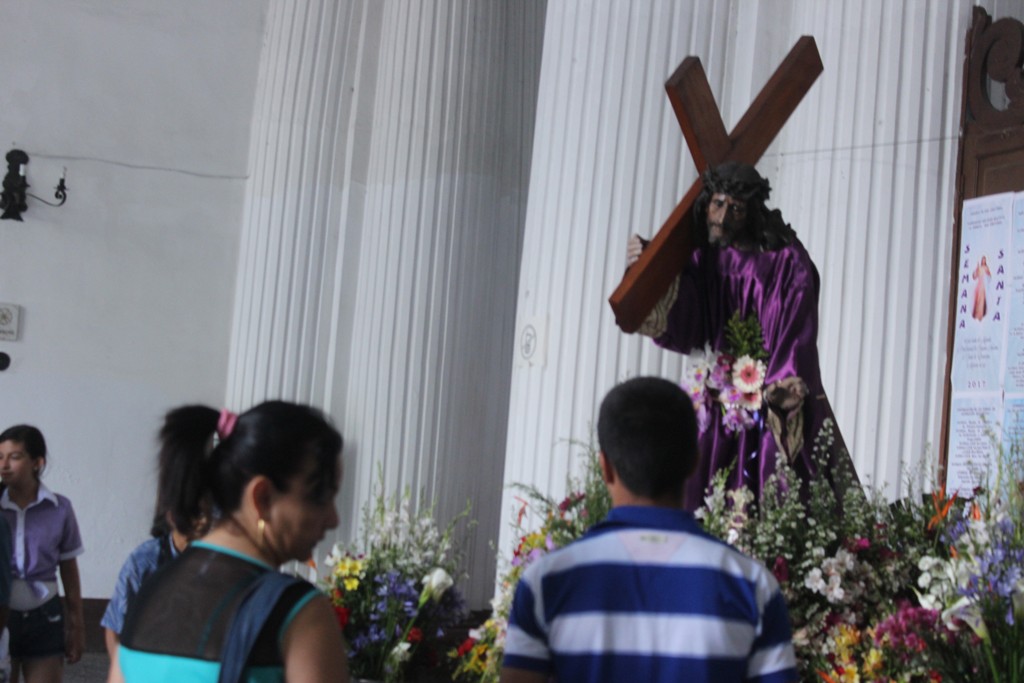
point(744, 337)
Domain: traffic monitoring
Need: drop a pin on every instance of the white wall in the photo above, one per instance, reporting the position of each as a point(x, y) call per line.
point(127, 290)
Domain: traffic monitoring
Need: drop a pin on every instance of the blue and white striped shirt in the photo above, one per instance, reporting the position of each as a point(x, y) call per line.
point(649, 596)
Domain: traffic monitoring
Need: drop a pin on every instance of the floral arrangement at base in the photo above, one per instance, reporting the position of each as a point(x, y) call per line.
point(926, 589)
point(479, 657)
point(393, 593)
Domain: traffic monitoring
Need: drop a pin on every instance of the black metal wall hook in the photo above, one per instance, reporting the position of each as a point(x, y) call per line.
point(14, 198)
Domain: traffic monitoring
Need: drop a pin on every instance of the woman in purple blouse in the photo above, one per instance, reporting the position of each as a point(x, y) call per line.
point(46, 539)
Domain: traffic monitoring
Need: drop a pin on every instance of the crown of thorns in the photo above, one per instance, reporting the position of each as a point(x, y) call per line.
point(741, 181)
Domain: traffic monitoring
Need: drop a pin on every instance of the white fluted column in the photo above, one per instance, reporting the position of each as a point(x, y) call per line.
point(428, 376)
point(295, 260)
point(382, 238)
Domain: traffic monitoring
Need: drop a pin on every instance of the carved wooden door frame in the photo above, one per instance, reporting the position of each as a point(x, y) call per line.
point(991, 151)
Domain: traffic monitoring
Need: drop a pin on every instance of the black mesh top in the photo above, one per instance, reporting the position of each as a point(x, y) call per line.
point(185, 608)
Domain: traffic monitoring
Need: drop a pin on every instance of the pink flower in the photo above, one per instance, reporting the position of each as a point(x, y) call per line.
point(751, 401)
point(859, 544)
point(748, 374)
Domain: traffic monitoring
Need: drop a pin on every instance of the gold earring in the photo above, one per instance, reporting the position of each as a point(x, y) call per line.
point(260, 526)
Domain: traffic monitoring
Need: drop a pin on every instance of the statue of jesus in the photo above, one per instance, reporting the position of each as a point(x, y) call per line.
point(745, 309)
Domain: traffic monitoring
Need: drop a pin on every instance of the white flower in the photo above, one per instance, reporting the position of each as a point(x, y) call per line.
point(814, 581)
point(337, 552)
point(732, 536)
point(929, 601)
point(834, 593)
point(400, 653)
point(970, 613)
point(699, 362)
point(435, 584)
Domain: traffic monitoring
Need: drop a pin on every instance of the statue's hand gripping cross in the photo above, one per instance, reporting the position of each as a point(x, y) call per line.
point(694, 105)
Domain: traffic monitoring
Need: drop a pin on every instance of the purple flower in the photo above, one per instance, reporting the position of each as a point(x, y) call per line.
point(720, 376)
point(999, 573)
point(736, 419)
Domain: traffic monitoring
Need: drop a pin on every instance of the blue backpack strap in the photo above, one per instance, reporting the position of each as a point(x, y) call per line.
point(257, 604)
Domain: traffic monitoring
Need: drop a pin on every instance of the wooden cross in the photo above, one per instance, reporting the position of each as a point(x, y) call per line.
point(694, 105)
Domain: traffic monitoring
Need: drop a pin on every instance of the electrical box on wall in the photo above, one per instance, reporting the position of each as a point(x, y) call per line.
point(10, 322)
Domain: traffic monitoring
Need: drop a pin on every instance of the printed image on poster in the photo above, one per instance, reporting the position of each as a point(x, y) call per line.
point(981, 294)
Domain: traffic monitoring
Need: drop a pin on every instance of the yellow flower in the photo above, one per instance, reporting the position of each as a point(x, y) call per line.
point(872, 662)
point(351, 583)
point(348, 566)
point(848, 636)
point(479, 658)
point(850, 675)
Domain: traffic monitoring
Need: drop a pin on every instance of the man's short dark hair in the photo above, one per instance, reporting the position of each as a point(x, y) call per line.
point(648, 431)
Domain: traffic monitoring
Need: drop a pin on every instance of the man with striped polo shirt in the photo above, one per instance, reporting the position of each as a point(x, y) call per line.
point(646, 595)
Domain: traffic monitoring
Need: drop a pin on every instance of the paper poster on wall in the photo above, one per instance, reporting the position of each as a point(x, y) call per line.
point(1014, 375)
point(973, 432)
point(985, 249)
point(987, 377)
point(1013, 422)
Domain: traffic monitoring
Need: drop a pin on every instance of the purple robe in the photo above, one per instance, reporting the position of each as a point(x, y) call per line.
point(781, 288)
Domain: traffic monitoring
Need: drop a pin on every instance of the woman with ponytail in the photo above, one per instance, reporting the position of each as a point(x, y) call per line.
point(270, 475)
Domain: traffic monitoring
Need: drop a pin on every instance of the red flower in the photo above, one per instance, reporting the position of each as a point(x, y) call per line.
point(570, 501)
point(342, 613)
point(780, 569)
point(466, 646)
point(415, 635)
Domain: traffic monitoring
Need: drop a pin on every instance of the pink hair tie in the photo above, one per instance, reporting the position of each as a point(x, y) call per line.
point(226, 424)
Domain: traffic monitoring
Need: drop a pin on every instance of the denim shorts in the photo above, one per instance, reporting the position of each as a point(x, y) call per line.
point(38, 632)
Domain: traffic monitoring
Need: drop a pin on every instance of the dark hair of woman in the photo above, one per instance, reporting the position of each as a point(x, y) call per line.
point(29, 437)
point(275, 439)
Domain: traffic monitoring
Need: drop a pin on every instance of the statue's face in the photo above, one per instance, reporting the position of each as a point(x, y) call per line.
point(727, 218)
